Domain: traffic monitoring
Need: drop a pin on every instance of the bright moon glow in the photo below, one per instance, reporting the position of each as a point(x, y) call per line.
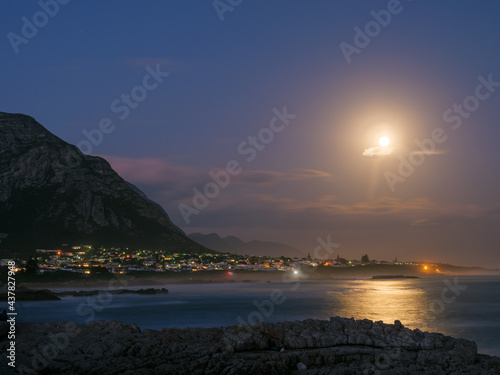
point(384, 141)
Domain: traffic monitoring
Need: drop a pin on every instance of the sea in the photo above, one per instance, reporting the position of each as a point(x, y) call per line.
point(458, 306)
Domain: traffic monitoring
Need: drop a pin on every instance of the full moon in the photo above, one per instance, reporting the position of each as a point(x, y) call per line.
point(384, 141)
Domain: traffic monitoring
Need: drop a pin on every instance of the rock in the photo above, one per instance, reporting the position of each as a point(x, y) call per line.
point(337, 346)
point(84, 293)
point(4, 330)
point(33, 295)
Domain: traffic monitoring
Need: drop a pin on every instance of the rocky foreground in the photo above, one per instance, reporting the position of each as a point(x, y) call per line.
point(338, 346)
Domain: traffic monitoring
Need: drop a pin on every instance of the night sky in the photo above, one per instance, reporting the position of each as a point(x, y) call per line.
point(317, 83)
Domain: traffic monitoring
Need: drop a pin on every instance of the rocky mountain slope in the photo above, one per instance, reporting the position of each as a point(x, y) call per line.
point(51, 193)
point(234, 245)
point(337, 346)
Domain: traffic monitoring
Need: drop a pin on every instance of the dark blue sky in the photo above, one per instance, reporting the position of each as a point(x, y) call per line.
point(225, 79)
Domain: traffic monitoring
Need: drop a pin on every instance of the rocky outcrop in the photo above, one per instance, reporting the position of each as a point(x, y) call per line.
point(31, 295)
point(86, 293)
point(338, 346)
point(51, 193)
point(25, 294)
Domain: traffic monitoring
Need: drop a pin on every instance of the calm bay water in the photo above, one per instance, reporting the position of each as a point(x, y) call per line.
point(466, 306)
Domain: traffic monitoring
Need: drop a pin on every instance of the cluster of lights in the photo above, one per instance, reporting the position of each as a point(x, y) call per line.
point(426, 268)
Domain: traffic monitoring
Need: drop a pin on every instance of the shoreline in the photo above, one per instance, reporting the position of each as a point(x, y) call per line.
point(154, 281)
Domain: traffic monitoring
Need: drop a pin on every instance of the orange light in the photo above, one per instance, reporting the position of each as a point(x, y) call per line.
point(425, 267)
point(58, 253)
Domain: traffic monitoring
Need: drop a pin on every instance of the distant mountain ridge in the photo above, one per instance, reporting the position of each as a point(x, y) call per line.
point(51, 193)
point(234, 245)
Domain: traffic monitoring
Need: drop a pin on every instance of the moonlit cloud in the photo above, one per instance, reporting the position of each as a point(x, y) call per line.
point(384, 151)
point(461, 214)
point(270, 203)
point(151, 171)
point(428, 152)
point(377, 151)
point(272, 177)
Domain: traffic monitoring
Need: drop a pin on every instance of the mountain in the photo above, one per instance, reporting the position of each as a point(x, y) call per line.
point(234, 245)
point(51, 193)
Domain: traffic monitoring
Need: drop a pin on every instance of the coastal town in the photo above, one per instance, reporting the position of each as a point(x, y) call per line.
point(86, 259)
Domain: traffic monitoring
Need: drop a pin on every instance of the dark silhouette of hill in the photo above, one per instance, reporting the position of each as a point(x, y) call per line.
point(234, 245)
point(51, 193)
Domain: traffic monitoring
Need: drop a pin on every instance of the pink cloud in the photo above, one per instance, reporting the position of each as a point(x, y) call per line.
point(149, 171)
point(154, 171)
